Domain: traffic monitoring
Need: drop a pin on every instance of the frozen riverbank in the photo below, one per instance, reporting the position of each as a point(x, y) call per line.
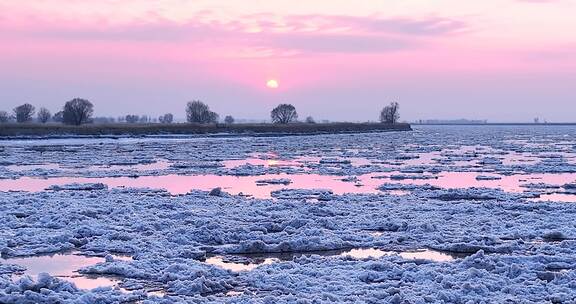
point(59, 130)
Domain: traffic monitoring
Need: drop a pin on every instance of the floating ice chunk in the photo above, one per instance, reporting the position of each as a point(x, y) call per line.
point(78, 187)
point(490, 161)
point(275, 181)
point(198, 286)
point(350, 179)
point(406, 187)
point(196, 165)
point(296, 245)
point(412, 171)
point(554, 236)
point(488, 177)
point(474, 247)
point(10, 268)
point(406, 157)
point(479, 261)
point(335, 161)
point(238, 264)
point(302, 194)
point(464, 194)
point(216, 192)
point(248, 170)
point(542, 186)
point(413, 177)
point(116, 268)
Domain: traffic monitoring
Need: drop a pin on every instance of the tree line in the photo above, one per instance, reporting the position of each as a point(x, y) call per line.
point(79, 111)
point(75, 112)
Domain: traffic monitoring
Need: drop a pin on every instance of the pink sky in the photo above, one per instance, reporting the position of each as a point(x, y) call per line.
point(334, 59)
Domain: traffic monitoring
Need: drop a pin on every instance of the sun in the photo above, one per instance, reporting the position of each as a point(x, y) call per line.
point(272, 84)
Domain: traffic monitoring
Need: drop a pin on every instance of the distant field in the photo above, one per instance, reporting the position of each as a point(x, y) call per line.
point(46, 130)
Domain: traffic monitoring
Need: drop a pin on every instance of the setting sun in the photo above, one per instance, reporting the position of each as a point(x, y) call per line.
point(272, 83)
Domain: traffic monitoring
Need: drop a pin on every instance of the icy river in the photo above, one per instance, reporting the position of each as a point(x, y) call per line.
point(459, 214)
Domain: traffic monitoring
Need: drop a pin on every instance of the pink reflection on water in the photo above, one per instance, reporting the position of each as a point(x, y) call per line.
point(181, 184)
point(372, 253)
point(246, 185)
point(296, 162)
point(556, 197)
point(260, 162)
point(63, 266)
point(507, 183)
point(89, 283)
point(357, 253)
point(237, 267)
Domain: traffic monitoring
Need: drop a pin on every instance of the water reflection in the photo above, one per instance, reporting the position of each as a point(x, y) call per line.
point(300, 162)
point(233, 293)
point(249, 185)
point(236, 266)
point(511, 183)
point(556, 197)
point(181, 184)
point(249, 262)
point(373, 253)
point(63, 266)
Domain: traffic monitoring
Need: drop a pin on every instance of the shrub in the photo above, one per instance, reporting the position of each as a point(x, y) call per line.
point(166, 118)
point(229, 120)
point(132, 118)
point(4, 117)
point(58, 116)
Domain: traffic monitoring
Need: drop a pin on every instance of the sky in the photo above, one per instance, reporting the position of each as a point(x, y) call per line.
point(340, 60)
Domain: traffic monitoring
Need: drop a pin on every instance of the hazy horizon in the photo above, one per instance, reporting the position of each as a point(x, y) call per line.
point(333, 60)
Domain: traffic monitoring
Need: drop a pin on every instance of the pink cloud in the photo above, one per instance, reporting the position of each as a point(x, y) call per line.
point(287, 35)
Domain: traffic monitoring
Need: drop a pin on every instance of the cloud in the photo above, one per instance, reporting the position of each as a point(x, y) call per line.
point(332, 43)
point(404, 26)
point(293, 34)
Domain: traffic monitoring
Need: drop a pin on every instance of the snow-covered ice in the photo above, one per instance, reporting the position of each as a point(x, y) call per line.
point(466, 228)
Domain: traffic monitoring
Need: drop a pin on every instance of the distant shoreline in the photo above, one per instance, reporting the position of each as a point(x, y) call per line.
point(498, 124)
point(18, 131)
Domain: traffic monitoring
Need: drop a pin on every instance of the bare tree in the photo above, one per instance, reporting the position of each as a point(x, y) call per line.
point(4, 117)
point(199, 112)
point(310, 120)
point(229, 120)
point(58, 116)
point(24, 112)
point(167, 118)
point(284, 114)
point(144, 119)
point(390, 114)
point(77, 111)
point(44, 115)
point(132, 118)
